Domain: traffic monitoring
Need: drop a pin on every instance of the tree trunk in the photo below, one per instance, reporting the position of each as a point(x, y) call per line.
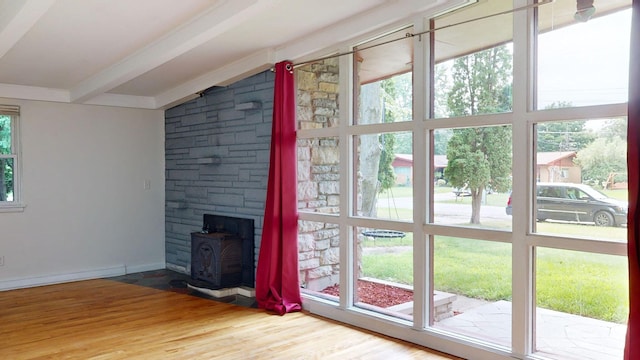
point(369, 157)
point(476, 203)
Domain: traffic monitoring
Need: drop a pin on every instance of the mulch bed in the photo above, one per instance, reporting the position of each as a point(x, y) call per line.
point(377, 294)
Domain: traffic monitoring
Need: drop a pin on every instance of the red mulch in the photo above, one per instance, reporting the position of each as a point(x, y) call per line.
point(377, 294)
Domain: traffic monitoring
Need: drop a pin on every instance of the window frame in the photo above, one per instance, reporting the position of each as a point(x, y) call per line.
point(523, 119)
point(16, 205)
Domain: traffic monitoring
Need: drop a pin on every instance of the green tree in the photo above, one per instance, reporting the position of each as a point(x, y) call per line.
point(397, 105)
point(606, 155)
point(441, 89)
point(398, 97)
point(615, 128)
point(441, 138)
point(6, 170)
point(481, 83)
point(381, 101)
point(601, 158)
point(403, 143)
point(563, 136)
point(480, 157)
point(386, 175)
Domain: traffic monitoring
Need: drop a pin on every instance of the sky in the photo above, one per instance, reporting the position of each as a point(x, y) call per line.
point(586, 63)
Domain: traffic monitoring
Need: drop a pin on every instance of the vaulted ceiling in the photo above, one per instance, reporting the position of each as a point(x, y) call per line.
point(157, 53)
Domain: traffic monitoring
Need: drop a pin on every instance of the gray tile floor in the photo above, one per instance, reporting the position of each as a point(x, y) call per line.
point(176, 282)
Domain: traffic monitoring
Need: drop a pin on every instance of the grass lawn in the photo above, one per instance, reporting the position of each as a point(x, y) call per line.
point(582, 230)
point(617, 194)
point(395, 267)
point(585, 284)
point(397, 191)
point(394, 213)
point(579, 283)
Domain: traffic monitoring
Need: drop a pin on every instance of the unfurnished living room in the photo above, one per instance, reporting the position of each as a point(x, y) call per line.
point(282, 179)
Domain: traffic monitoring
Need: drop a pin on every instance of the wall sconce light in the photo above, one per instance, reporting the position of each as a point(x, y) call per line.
point(584, 10)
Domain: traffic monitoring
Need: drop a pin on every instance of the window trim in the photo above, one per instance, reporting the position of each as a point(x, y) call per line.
point(523, 118)
point(17, 204)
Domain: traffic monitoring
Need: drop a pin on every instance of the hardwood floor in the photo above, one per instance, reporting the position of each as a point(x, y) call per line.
point(104, 319)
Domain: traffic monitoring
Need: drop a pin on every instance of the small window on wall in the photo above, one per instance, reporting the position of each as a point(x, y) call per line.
point(564, 173)
point(9, 179)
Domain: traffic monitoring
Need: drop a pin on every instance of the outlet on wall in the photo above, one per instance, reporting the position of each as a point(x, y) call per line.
point(1, 260)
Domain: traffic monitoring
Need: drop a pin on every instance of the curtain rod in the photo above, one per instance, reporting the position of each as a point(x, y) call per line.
point(409, 35)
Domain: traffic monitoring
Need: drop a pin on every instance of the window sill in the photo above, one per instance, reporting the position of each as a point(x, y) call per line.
point(11, 207)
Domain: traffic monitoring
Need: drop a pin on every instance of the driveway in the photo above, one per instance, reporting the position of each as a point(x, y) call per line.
point(451, 213)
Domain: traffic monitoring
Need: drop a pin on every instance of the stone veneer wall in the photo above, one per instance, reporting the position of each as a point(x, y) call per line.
point(217, 161)
point(318, 174)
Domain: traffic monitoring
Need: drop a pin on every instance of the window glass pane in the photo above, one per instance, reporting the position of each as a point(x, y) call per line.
point(384, 84)
point(581, 178)
point(384, 271)
point(583, 63)
point(7, 179)
point(472, 176)
point(317, 102)
point(318, 175)
point(385, 176)
point(473, 73)
point(582, 304)
point(319, 259)
point(472, 283)
point(5, 135)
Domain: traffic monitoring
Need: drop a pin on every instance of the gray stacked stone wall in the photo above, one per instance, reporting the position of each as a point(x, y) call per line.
point(318, 174)
point(217, 161)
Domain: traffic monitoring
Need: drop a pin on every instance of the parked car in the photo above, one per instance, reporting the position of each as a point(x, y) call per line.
point(463, 191)
point(576, 202)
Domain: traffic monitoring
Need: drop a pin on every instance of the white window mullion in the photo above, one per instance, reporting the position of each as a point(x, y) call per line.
point(421, 255)
point(522, 257)
point(347, 249)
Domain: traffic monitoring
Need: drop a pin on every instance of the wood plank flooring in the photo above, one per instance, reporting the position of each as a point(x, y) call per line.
point(104, 319)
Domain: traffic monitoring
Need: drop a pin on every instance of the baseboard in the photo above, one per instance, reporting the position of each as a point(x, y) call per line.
point(145, 267)
point(177, 268)
point(61, 278)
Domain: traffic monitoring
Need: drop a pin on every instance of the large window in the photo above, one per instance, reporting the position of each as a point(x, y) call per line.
point(471, 194)
point(9, 180)
point(573, 72)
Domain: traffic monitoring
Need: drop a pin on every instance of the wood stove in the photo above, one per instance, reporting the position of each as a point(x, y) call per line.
point(222, 255)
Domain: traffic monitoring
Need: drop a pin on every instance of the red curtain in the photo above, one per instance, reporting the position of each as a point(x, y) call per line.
point(632, 348)
point(277, 279)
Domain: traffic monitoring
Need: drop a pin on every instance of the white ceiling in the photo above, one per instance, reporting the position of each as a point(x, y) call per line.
point(158, 53)
point(155, 54)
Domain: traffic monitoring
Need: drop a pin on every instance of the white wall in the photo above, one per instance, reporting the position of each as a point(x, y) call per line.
point(87, 213)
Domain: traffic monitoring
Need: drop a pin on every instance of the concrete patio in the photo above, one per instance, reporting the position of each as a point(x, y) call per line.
point(559, 335)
